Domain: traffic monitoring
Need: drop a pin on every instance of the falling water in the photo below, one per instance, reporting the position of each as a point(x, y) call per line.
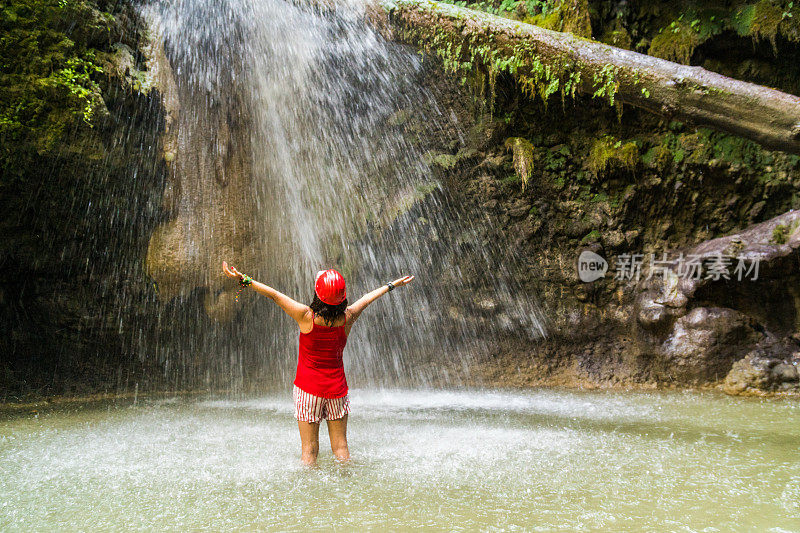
point(286, 161)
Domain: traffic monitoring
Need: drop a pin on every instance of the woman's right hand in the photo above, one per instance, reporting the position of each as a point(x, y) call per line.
point(403, 281)
point(230, 271)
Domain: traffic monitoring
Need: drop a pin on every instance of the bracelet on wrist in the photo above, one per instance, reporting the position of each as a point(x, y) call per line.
point(391, 286)
point(244, 281)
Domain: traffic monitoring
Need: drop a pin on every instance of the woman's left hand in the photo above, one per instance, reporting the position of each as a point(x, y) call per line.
point(405, 280)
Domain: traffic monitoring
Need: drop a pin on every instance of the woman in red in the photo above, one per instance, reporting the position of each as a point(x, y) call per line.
point(320, 386)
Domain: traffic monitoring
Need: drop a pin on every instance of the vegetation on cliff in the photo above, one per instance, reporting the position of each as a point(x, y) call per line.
point(480, 46)
point(619, 181)
point(79, 186)
point(550, 155)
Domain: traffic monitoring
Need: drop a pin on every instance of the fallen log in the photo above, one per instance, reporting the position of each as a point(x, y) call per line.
point(473, 43)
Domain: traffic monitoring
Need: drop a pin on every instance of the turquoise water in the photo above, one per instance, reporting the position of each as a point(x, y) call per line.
point(460, 460)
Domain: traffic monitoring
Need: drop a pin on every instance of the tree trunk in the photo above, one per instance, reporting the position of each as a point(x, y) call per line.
point(546, 62)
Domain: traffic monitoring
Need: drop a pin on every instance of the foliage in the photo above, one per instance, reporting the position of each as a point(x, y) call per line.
point(605, 83)
point(49, 72)
point(608, 153)
point(770, 19)
point(508, 8)
point(522, 151)
point(677, 41)
point(475, 59)
point(780, 234)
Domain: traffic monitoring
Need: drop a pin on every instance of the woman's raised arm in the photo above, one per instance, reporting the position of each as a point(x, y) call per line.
point(354, 310)
point(301, 313)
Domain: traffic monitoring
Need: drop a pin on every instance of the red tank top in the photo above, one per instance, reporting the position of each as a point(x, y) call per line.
point(320, 370)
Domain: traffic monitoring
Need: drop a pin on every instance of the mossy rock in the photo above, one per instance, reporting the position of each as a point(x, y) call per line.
point(618, 37)
point(591, 237)
point(449, 162)
point(608, 154)
point(676, 42)
point(571, 16)
point(658, 156)
point(770, 20)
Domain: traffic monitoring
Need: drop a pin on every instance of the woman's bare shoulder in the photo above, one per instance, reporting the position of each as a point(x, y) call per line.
point(306, 321)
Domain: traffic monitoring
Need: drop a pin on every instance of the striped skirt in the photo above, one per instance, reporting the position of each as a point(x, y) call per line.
point(312, 409)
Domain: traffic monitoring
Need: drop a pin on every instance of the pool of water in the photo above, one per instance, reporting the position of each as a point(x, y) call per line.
point(441, 460)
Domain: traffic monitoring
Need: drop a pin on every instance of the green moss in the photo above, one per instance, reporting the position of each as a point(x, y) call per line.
point(676, 42)
point(475, 59)
point(618, 37)
point(571, 16)
point(770, 19)
point(50, 76)
point(780, 234)
point(446, 161)
point(658, 156)
point(742, 20)
point(549, 21)
point(608, 153)
point(767, 17)
point(575, 17)
point(709, 144)
point(522, 151)
point(512, 179)
point(592, 236)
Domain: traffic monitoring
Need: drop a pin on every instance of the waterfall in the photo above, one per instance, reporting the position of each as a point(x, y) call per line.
point(286, 156)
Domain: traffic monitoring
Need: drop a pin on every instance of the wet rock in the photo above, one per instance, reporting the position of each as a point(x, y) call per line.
point(705, 342)
point(487, 133)
point(529, 228)
point(660, 301)
point(784, 373)
point(761, 371)
point(487, 305)
point(577, 228)
point(398, 118)
point(748, 374)
point(490, 205)
point(756, 210)
point(613, 239)
point(520, 208)
point(494, 163)
point(631, 236)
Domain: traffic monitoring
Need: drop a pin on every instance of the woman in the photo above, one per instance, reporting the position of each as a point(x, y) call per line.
point(320, 386)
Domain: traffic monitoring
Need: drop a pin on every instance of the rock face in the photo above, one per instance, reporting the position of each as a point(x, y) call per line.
point(704, 343)
point(699, 344)
point(209, 169)
point(148, 193)
point(80, 187)
point(757, 373)
point(625, 190)
point(692, 343)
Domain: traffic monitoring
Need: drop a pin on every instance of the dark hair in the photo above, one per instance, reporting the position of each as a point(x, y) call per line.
point(329, 313)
